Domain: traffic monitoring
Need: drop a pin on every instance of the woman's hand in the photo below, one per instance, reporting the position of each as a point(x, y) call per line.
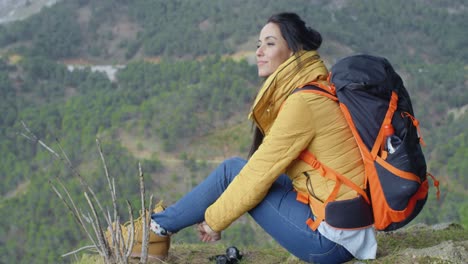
point(206, 234)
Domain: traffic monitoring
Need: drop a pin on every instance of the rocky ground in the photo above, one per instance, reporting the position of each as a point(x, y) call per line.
point(417, 244)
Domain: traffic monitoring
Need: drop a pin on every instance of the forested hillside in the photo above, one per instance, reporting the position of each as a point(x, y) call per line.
point(180, 104)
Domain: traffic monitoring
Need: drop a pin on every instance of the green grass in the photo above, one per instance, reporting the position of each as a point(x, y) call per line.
point(201, 253)
point(393, 246)
point(419, 237)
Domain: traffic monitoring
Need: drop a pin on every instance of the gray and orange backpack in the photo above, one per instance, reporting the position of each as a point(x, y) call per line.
point(379, 112)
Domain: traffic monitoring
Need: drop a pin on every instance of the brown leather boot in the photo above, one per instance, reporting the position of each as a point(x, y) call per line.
point(158, 246)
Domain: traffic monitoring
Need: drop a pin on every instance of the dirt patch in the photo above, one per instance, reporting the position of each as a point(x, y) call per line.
point(20, 189)
point(204, 25)
point(247, 55)
point(84, 14)
point(139, 147)
point(125, 29)
point(77, 61)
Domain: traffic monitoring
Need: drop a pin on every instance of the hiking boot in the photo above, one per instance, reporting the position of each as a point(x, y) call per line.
point(158, 246)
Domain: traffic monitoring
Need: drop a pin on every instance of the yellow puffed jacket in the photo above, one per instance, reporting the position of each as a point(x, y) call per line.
point(292, 123)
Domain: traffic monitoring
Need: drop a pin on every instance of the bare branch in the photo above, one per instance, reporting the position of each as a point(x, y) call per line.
point(98, 230)
point(64, 158)
point(27, 129)
point(64, 201)
point(76, 212)
point(144, 242)
point(27, 137)
point(103, 250)
point(130, 232)
point(111, 230)
point(113, 243)
point(64, 153)
point(101, 208)
point(110, 183)
point(33, 138)
point(78, 250)
point(47, 147)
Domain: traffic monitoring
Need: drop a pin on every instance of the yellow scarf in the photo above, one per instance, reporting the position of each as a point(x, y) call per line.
point(301, 68)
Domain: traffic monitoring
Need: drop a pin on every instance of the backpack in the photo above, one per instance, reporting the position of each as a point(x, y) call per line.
point(378, 110)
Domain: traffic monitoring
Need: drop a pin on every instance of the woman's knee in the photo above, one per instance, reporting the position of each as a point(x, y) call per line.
point(232, 166)
point(235, 162)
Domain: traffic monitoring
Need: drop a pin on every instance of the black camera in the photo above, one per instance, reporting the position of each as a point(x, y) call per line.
point(232, 256)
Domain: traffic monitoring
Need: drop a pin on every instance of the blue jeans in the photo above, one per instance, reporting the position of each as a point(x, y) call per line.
point(279, 214)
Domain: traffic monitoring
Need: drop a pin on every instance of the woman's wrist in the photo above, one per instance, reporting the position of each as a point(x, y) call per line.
point(207, 234)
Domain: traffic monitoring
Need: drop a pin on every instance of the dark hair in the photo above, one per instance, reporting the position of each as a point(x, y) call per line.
point(256, 141)
point(296, 33)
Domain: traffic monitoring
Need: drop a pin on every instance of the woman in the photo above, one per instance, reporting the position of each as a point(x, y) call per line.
point(266, 185)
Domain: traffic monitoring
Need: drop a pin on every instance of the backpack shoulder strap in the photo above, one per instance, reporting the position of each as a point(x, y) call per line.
point(322, 207)
point(318, 88)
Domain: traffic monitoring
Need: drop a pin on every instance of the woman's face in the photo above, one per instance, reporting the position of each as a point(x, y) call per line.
point(272, 50)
